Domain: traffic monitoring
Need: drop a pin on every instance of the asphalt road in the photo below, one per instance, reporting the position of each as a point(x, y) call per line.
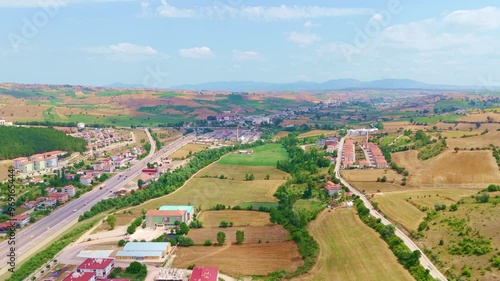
point(424, 261)
point(37, 233)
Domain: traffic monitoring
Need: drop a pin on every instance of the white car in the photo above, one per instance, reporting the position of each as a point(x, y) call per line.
point(75, 210)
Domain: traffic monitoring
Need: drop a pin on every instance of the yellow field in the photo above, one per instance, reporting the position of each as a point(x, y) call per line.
point(183, 152)
point(314, 133)
point(350, 250)
point(404, 213)
point(20, 112)
point(140, 135)
point(370, 175)
point(4, 166)
point(480, 117)
point(280, 134)
point(238, 218)
point(238, 172)
point(465, 167)
point(493, 137)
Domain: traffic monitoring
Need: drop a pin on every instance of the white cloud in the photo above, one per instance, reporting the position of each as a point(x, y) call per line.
point(282, 12)
point(303, 39)
point(377, 17)
point(246, 55)
point(486, 18)
point(310, 24)
point(169, 11)
point(196, 53)
point(49, 3)
point(126, 52)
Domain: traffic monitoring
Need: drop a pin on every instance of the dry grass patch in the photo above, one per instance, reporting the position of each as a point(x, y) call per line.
point(19, 112)
point(4, 167)
point(350, 250)
point(238, 218)
point(404, 213)
point(370, 175)
point(480, 117)
point(242, 260)
point(272, 233)
point(314, 133)
point(465, 167)
point(121, 220)
point(280, 135)
point(491, 138)
point(238, 172)
point(183, 152)
point(209, 192)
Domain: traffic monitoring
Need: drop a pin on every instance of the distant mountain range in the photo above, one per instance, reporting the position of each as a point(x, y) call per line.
point(338, 84)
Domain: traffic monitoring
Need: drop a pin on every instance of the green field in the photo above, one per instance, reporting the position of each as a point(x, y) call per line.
point(311, 206)
point(265, 155)
point(167, 94)
point(127, 120)
point(50, 115)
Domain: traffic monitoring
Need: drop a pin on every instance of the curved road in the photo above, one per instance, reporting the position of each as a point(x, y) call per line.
point(35, 235)
point(424, 261)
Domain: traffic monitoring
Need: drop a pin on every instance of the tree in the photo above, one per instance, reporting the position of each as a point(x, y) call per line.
point(456, 149)
point(221, 237)
point(207, 243)
point(134, 267)
point(121, 243)
point(223, 224)
point(183, 229)
point(111, 221)
point(267, 177)
point(240, 236)
point(140, 183)
point(383, 179)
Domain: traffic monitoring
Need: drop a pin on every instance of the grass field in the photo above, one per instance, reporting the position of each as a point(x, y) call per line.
point(394, 204)
point(238, 218)
point(312, 206)
point(464, 167)
point(350, 250)
point(265, 155)
point(315, 133)
point(121, 220)
point(183, 152)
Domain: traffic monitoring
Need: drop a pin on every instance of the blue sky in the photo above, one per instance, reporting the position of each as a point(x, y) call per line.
point(171, 42)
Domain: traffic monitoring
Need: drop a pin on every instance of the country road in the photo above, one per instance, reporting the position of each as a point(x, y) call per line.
point(424, 261)
point(34, 237)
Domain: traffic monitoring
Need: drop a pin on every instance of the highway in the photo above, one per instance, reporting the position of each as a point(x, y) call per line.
point(35, 235)
point(424, 261)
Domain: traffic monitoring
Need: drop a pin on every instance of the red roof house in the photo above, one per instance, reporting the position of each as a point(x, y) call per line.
point(80, 276)
point(101, 267)
point(205, 273)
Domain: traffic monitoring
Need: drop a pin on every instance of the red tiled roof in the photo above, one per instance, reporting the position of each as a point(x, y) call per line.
point(20, 217)
point(91, 263)
point(204, 274)
point(79, 276)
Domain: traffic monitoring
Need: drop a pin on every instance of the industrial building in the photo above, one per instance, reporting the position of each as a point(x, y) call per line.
point(144, 251)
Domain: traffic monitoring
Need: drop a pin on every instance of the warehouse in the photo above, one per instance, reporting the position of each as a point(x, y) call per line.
point(144, 251)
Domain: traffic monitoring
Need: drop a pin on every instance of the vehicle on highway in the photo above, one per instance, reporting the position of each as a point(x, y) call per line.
point(75, 210)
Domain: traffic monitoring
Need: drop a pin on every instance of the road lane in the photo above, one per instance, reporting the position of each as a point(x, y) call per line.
point(37, 233)
point(424, 261)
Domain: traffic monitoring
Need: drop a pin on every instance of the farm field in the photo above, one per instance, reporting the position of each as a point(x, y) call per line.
point(491, 138)
point(395, 205)
point(183, 152)
point(121, 220)
point(480, 117)
point(470, 221)
point(280, 135)
point(265, 155)
point(238, 218)
point(238, 172)
point(458, 134)
point(259, 259)
point(350, 250)
point(465, 167)
point(315, 133)
point(370, 175)
point(274, 252)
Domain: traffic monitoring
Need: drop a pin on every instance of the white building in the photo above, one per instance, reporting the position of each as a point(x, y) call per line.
point(80, 125)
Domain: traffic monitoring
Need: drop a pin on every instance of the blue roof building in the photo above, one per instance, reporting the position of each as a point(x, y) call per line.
point(144, 251)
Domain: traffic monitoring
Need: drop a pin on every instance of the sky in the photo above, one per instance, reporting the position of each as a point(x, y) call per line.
point(161, 43)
